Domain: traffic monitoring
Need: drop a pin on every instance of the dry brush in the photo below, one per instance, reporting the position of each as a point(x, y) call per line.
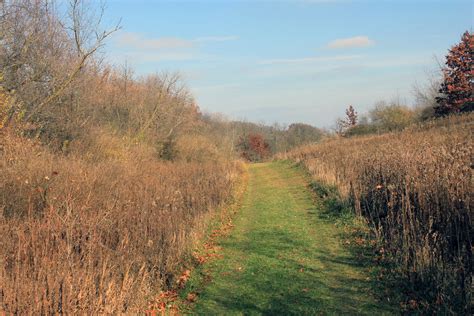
point(97, 237)
point(415, 189)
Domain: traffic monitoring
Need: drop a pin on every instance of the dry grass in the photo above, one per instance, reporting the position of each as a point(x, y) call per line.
point(93, 220)
point(415, 189)
point(93, 235)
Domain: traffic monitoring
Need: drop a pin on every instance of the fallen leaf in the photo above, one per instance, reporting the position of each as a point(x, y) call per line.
point(184, 278)
point(191, 297)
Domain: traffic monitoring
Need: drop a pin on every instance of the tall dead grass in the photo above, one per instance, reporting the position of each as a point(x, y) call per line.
point(415, 189)
point(89, 234)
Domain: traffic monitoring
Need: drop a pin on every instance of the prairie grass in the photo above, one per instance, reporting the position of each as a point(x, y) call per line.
point(415, 189)
point(98, 232)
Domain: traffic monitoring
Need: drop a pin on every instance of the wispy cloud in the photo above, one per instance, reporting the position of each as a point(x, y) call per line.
point(308, 59)
point(225, 86)
point(399, 61)
point(146, 49)
point(321, 1)
point(215, 39)
point(140, 42)
point(356, 41)
point(144, 57)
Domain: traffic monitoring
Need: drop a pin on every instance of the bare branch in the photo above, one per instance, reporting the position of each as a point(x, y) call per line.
point(80, 38)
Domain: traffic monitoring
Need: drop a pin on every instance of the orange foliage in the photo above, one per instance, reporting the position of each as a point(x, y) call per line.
point(253, 147)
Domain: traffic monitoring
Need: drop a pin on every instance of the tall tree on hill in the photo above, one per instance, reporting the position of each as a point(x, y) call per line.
point(349, 121)
point(351, 116)
point(458, 84)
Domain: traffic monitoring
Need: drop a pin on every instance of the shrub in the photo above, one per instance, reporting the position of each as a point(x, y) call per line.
point(391, 117)
point(253, 147)
point(361, 129)
point(197, 148)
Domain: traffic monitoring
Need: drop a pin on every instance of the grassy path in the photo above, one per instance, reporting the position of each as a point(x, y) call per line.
point(282, 258)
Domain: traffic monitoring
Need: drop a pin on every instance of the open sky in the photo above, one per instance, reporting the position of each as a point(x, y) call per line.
point(289, 61)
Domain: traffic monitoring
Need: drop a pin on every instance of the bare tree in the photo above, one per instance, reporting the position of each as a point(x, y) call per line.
point(167, 107)
point(88, 38)
point(425, 95)
point(41, 54)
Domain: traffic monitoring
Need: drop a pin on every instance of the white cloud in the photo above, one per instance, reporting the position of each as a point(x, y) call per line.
point(215, 39)
point(146, 49)
point(398, 61)
point(357, 41)
point(308, 59)
point(320, 1)
point(140, 42)
point(154, 57)
point(224, 86)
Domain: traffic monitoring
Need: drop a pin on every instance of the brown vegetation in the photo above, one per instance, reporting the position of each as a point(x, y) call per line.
point(415, 189)
point(97, 237)
point(106, 179)
point(253, 147)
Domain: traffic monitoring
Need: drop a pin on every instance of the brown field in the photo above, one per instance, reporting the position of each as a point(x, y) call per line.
point(415, 189)
point(98, 237)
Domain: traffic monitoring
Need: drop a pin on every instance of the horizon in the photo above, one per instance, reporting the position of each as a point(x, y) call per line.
point(289, 61)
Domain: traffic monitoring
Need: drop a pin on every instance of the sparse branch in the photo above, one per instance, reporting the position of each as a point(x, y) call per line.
point(78, 21)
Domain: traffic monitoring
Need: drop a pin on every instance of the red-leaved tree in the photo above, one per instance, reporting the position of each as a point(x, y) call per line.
point(458, 84)
point(253, 147)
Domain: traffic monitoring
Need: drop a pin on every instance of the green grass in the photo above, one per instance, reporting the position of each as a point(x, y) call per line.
point(283, 257)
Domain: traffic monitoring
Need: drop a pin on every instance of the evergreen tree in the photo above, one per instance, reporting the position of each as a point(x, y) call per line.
point(458, 85)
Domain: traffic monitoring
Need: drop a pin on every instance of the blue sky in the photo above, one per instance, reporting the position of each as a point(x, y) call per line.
point(289, 61)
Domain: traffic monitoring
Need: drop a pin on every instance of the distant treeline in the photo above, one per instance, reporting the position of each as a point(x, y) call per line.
point(278, 138)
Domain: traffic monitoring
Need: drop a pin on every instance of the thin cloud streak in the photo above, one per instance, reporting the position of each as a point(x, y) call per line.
point(205, 39)
point(140, 42)
point(351, 42)
point(397, 62)
point(308, 59)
